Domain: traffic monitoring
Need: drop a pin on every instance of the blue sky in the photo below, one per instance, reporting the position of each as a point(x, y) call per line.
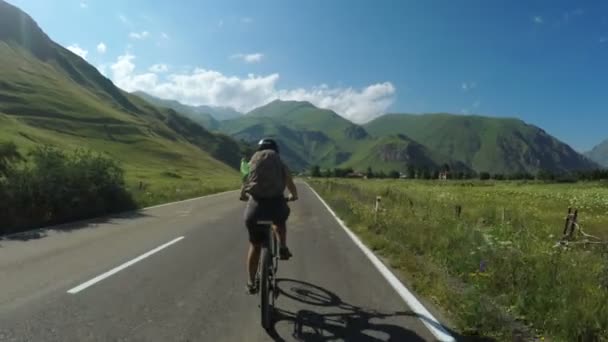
point(545, 62)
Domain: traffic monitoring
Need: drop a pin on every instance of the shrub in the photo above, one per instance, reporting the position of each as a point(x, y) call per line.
point(57, 187)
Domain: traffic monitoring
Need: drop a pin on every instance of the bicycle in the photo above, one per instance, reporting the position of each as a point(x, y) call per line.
point(266, 273)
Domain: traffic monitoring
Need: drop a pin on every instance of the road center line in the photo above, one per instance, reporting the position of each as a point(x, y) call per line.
point(121, 267)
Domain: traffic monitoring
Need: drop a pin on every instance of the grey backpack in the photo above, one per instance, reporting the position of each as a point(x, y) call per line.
point(266, 175)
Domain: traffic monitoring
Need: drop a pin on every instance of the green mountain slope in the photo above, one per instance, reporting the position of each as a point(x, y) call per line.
point(398, 152)
point(48, 95)
point(309, 135)
point(220, 113)
point(599, 153)
point(497, 145)
point(208, 116)
point(193, 113)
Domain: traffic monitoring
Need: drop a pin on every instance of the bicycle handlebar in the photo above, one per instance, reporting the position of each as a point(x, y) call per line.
point(287, 199)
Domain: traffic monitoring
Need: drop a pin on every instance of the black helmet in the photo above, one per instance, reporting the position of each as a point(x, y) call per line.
point(268, 144)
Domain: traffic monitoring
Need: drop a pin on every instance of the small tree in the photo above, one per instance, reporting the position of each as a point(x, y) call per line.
point(315, 171)
point(411, 171)
point(394, 174)
point(484, 175)
point(370, 172)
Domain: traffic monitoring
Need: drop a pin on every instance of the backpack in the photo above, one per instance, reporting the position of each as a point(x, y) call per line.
point(266, 175)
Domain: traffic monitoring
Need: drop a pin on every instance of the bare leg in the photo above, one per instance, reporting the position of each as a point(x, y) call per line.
point(280, 232)
point(253, 258)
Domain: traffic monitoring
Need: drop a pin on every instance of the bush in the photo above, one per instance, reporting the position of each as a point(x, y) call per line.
point(58, 188)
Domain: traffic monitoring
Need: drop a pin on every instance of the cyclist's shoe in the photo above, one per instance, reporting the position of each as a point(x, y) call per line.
point(284, 253)
point(252, 288)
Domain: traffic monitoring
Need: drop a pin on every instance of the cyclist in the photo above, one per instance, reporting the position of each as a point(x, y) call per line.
point(264, 189)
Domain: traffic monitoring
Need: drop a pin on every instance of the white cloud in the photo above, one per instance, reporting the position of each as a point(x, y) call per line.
point(603, 39)
point(102, 48)
point(125, 20)
point(83, 4)
point(220, 23)
point(78, 50)
point(249, 58)
point(247, 20)
point(466, 86)
point(102, 69)
point(538, 19)
point(476, 104)
point(164, 36)
point(209, 87)
point(159, 68)
point(139, 35)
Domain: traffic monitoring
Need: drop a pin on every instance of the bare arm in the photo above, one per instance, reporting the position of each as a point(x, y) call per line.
point(291, 186)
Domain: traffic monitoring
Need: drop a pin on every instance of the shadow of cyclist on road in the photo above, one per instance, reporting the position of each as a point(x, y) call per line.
point(345, 322)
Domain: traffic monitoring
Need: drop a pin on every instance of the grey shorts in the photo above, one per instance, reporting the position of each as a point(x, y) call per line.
point(275, 210)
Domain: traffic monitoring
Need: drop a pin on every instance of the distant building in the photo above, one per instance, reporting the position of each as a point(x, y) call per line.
point(355, 175)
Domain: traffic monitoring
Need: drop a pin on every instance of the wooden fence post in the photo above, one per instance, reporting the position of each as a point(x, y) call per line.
point(458, 211)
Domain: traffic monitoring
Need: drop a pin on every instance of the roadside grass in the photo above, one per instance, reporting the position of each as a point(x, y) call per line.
point(493, 277)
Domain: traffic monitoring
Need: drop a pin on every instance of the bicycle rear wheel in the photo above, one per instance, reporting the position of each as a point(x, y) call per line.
point(265, 285)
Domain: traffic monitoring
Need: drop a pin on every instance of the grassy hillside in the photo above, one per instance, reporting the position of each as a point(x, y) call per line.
point(48, 95)
point(208, 116)
point(497, 145)
point(599, 154)
point(310, 135)
point(193, 113)
point(398, 152)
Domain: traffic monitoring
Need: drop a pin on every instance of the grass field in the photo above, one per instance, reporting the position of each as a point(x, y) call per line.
point(168, 170)
point(493, 276)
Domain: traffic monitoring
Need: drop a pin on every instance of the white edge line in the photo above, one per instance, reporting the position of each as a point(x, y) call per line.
point(121, 267)
point(423, 314)
point(190, 199)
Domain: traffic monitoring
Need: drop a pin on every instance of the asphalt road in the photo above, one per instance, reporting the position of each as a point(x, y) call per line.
point(177, 273)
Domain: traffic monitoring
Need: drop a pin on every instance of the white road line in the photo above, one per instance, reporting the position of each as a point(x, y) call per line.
point(121, 267)
point(190, 199)
point(423, 314)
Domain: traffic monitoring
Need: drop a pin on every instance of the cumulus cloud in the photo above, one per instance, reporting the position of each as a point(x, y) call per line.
point(159, 68)
point(248, 58)
point(123, 19)
point(102, 69)
point(208, 87)
point(139, 35)
point(247, 20)
point(101, 47)
point(83, 4)
point(538, 19)
point(78, 50)
point(466, 86)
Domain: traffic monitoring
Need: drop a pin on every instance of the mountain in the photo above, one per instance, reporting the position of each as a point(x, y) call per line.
point(399, 152)
point(496, 145)
point(48, 95)
point(220, 113)
point(208, 116)
point(599, 153)
point(203, 118)
point(308, 135)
